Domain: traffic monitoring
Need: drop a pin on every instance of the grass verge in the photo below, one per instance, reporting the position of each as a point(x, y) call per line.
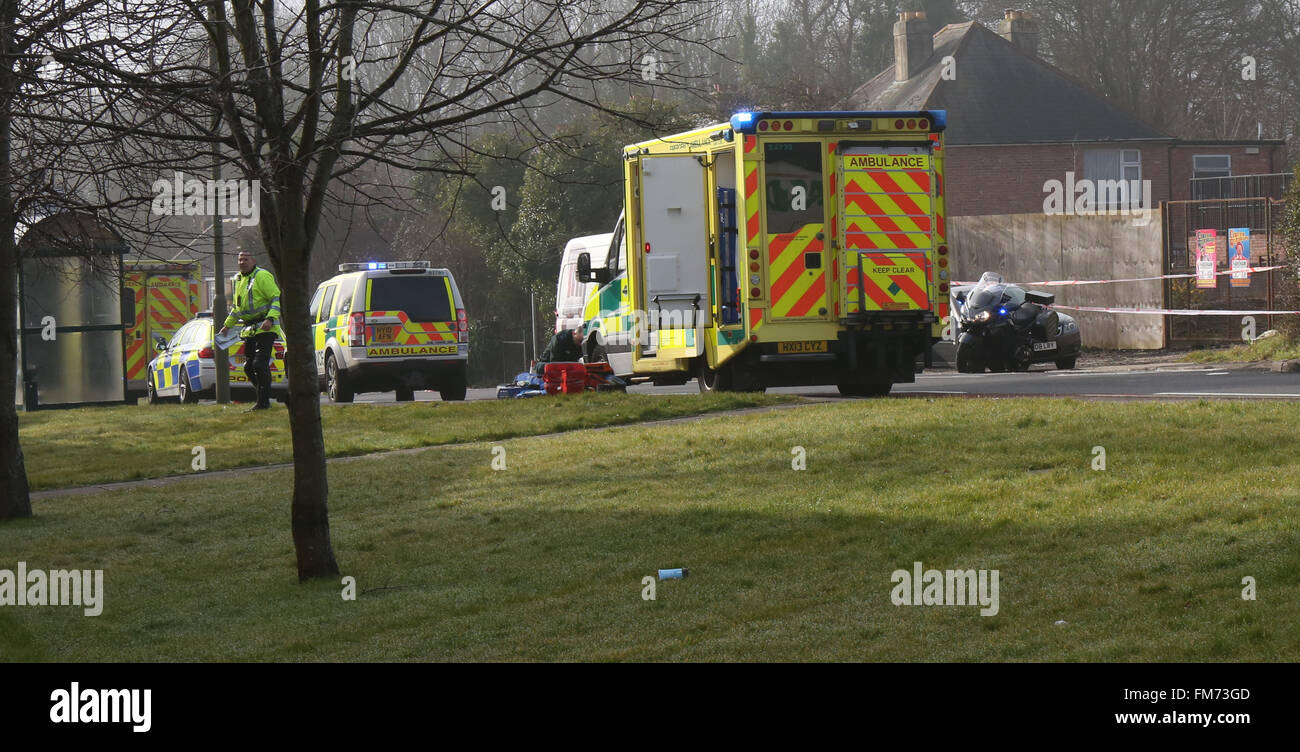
point(1271, 348)
point(544, 560)
point(105, 444)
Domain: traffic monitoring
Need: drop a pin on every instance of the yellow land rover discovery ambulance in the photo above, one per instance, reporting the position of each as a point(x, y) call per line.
point(386, 326)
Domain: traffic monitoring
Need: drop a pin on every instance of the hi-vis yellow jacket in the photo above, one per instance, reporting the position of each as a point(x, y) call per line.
point(257, 298)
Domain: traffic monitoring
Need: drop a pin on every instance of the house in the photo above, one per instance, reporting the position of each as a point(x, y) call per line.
point(1023, 141)
point(1017, 122)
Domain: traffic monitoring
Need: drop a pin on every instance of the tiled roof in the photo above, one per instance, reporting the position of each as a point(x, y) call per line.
point(1001, 95)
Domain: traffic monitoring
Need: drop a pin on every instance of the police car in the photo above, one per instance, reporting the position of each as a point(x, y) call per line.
point(186, 369)
point(387, 326)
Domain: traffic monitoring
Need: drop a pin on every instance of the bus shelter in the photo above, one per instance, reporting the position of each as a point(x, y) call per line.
point(70, 314)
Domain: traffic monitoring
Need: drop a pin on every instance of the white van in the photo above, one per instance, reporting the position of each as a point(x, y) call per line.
point(570, 294)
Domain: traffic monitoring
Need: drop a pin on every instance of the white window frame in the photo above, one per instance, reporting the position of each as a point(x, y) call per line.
point(1125, 158)
point(1125, 162)
point(1197, 170)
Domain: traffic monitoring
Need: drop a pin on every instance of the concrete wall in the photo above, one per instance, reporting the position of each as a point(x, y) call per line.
point(1034, 247)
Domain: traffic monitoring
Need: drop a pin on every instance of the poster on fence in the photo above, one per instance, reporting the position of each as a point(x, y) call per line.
point(1207, 257)
point(1239, 255)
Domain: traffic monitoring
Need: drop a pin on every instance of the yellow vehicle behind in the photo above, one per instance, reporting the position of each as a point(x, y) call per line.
point(778, 249)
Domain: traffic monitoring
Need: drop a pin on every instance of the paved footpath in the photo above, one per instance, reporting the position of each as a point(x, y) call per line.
point(216, 475)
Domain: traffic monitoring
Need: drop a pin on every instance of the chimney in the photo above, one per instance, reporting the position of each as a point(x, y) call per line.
point(1019, 28)
point(913, 44)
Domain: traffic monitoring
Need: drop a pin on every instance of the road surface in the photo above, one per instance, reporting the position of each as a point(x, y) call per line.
point(1182, 381)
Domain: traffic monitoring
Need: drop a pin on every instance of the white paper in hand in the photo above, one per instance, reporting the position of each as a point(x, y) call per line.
point(227, 340)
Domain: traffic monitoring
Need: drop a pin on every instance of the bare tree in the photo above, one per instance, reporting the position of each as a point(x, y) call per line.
point(1208, 69)
point(14, 499)
point(25, 184)
point(309, 94)
point(63, 146)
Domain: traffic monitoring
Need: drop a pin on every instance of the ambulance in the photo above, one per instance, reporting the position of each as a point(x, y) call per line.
point(778, 249)
point(390, 326)
point(165, 297)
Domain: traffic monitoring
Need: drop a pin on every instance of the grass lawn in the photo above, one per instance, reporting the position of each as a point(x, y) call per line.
point(544, 559)
point(104, 444)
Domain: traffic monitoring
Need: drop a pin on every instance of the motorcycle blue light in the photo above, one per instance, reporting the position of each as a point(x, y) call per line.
point(1002, 311)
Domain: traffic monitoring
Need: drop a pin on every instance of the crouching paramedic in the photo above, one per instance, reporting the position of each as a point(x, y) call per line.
point(565, 347)
point(257, 309)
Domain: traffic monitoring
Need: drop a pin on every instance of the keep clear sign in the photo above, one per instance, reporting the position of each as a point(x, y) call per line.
point(1207, 257)
point(1239, 255)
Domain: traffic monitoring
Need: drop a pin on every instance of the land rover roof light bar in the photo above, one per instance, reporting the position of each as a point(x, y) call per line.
point(375, 265)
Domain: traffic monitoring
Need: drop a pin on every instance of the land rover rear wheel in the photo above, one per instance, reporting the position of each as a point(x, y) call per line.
point(336, 381)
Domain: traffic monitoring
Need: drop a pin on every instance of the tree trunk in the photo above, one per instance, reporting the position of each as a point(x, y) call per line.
point(14, 498)
point(311, 525)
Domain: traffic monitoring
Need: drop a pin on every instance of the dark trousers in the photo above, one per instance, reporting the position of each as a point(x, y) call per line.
point(258, 351)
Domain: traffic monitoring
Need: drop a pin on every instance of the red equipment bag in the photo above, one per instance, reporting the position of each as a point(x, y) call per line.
point(565, 378)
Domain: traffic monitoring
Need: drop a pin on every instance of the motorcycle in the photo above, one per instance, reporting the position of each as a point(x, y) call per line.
point(1005, 327)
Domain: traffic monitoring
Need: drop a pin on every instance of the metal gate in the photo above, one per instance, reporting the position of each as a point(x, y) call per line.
point(1181, 221)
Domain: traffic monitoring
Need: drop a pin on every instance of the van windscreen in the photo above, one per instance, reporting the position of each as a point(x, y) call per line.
point(423, 298)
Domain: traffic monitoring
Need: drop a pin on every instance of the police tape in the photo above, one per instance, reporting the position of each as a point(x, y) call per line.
point(1173, 312)
point(1065, 282)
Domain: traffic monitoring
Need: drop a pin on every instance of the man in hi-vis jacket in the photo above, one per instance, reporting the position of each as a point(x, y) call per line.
point(257, 309)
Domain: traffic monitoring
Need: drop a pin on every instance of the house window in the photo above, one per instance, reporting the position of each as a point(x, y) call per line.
point(1211, 166)
point(1130, 164)
point(1113, 166)
point(1207, 173)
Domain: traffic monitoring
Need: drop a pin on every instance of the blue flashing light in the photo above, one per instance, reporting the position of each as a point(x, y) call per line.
point(747, 122)
point(1002, 311)
point(743, 122)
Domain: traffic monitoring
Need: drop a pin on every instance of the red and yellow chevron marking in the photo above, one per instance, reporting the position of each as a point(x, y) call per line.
point(795, 293)
point(136, 360)
point(851, 277)
point(887, 237)
point(899, 285)
point(938, 209)
point(169, 306)
point(753, 227)
point(835, 227)
point(416, 332)
point(887, 210)
point(751, 202)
